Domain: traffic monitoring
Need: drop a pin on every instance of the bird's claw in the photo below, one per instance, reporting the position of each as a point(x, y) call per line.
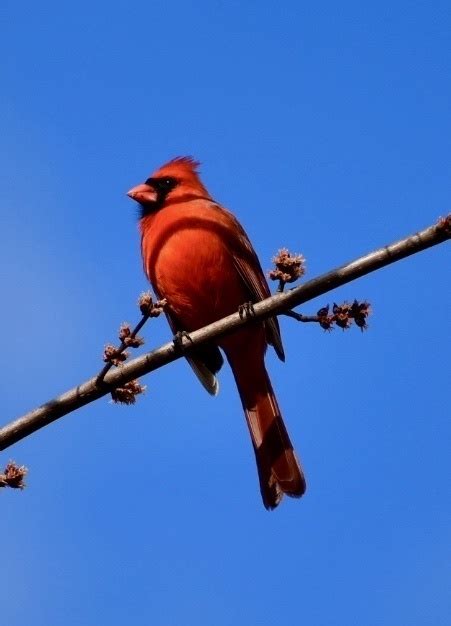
point(246, 310)
point(178, 340)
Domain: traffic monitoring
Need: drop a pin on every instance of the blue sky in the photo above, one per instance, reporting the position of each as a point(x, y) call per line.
point(325, 127)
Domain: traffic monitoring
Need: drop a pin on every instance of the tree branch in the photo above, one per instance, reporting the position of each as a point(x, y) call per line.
point(94, 389)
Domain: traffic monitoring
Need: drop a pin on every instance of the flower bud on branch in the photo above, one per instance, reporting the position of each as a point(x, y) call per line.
point(289, 267)
point(342, 315)
point(13, 476)
point(127, 337)
point(127, 393)
point(148, 307)
point(115, 356)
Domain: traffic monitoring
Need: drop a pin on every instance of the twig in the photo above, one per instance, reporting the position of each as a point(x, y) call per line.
point(129, 338)
point(343, 315)
point(121, 349)
point(300, 317)
point(275, 305)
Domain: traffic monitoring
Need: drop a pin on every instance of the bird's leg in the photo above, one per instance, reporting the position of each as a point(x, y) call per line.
point(246, 310)
point(178, 340)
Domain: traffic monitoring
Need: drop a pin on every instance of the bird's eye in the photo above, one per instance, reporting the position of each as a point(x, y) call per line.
point(162, 184)
point(167, 183)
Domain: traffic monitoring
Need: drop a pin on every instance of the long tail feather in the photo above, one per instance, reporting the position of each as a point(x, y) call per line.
point(279, 470)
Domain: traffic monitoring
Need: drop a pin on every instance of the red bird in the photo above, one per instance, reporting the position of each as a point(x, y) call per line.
point(198, 257)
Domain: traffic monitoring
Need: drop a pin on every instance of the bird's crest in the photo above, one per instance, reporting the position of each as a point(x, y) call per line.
point(185, 170)
point(181, 164)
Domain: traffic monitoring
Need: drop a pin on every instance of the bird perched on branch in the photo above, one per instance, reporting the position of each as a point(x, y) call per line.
point(198, 257)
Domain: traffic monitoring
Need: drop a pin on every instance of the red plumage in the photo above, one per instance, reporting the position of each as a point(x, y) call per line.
point(198, 257)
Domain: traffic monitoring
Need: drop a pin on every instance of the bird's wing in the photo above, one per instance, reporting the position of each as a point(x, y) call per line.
point(251, 273)
point(205, 361)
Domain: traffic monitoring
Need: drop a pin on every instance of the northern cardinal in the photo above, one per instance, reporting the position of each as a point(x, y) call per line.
point(198, 257)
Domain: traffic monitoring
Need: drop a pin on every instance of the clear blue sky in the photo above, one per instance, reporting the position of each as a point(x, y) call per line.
point(326, 128)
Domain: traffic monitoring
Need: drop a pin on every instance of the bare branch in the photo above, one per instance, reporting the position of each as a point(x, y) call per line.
point(275, 305)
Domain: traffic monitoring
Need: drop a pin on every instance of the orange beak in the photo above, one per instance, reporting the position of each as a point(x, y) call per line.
point(143, 194)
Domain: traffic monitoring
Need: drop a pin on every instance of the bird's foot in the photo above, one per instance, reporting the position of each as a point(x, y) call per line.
point(246, 310)
point(178, 340)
